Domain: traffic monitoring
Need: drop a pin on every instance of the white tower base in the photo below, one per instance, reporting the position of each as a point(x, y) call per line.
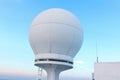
point(53, 70)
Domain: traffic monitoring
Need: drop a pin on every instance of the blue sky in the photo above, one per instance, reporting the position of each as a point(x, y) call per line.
point(100, 20)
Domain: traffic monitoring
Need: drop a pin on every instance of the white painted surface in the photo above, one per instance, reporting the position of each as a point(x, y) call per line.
point(56, 31)
point(55, 34)
point(53, 56)
point(107, 71)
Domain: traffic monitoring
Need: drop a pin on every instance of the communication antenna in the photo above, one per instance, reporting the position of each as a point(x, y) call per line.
point(39, 73)
point(97, 59)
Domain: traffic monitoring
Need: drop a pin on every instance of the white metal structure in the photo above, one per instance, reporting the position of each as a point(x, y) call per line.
point(40, 73)
point(55, 37)
point(107, 71)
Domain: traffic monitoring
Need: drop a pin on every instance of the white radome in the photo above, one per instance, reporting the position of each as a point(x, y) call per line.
point(55, 37)
point(56, 32)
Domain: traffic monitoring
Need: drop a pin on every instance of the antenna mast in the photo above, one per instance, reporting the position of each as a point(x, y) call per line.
point(97, 59)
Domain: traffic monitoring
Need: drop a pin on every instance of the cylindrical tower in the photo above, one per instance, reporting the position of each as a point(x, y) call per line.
point(55, 37)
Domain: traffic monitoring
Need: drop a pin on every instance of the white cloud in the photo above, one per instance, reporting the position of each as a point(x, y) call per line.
point(79, 62)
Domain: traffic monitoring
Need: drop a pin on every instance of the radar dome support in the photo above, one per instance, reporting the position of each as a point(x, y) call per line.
point(55, 37)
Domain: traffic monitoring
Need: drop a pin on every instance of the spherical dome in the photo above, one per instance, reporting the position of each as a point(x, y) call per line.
point(56, 33)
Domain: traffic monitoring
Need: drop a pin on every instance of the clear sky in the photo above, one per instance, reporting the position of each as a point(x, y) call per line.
point(100, 20)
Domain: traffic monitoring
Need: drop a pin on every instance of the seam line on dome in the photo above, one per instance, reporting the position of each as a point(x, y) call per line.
point(58, 23)
point(71, 45)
